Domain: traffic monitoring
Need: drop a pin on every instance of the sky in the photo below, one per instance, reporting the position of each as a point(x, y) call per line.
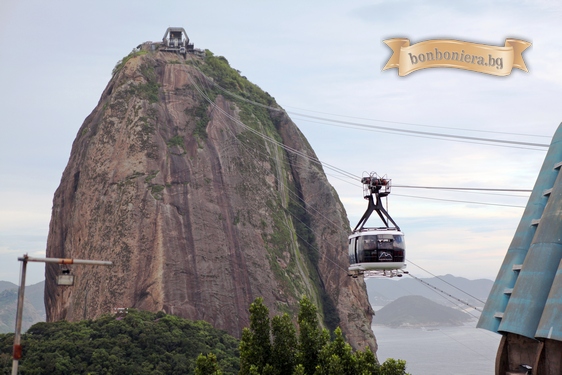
point(319, 58)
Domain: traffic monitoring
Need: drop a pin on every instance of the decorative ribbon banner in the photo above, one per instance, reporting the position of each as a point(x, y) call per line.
point(444, 53)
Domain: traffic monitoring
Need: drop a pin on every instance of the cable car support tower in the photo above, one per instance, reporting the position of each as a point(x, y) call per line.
point(380, 188)
point(376, 251)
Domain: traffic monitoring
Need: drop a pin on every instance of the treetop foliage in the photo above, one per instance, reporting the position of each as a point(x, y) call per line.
point(138, 343)
point(272, 347)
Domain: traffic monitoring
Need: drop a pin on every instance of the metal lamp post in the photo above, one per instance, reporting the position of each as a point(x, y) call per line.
point(19, 313)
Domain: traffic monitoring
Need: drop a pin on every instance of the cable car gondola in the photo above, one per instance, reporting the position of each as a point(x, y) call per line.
point(377, 251)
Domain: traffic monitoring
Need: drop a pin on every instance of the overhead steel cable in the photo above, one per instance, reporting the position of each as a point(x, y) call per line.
point(416, 132)
point(429, 137)
point(486, 191)
point(442, 135)
point(445, 293)
point(459, 189)
point(369, 119)
point(316, 160)
point(421, 125)
point(443, 296)
point(272, 140)
point(460, 201)
point(462, 188)
point(448, 283)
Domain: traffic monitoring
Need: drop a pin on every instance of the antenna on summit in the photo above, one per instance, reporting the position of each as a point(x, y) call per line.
point(176, 40)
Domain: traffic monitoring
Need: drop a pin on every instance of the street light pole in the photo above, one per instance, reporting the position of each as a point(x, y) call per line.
point(19, 313)
point(17, 353)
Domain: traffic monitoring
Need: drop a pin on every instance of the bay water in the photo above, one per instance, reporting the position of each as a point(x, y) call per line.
point(463, 350)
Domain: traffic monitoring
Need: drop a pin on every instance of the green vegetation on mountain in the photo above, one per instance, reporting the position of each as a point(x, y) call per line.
point(138, 343)
point(121, 63)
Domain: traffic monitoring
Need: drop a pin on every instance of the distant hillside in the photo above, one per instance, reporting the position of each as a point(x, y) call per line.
point(382, 291)
point(417, 311)
point(34, 305)
point(35, 294)
point(6, 285)
point(8, 308)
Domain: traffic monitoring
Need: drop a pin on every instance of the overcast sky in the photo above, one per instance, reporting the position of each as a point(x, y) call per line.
point(321, 58)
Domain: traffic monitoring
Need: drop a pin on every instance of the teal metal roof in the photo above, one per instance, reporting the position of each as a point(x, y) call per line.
point(550, 323)
point(526, 297)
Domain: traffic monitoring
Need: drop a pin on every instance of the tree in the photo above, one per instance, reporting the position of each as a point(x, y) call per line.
point(255, 345)
point(247, 356)
point(272, 347)
point(393, 367)
point(311, 337)
point(337, 354)
point(334, 366)
point(207, 365)
point(367, 363)
point(284, 348)
point(299, 370)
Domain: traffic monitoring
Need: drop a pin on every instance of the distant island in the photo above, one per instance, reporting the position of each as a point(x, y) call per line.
point(382, 291)
point(416, 312)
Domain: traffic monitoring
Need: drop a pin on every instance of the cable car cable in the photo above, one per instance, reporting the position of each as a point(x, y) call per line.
point(446, 298)
point(328, 166)
point(367, 119)
point(485, 356)
point(445, 293)
point(431, 137)
point(335, 168)
point(460, 201)
point(429, 133)
point(422, 125)
point(462, 188)
point(344, 172)
point(271, 140)
point(448, 283)
point(441, 135)
point(457, 189)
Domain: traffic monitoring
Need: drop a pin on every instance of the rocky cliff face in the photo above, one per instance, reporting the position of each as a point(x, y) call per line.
point(186, 177)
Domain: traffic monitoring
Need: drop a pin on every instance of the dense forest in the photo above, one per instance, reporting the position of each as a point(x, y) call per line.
point(140, 342)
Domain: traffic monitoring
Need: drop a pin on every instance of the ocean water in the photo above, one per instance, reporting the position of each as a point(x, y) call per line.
point(463, 350)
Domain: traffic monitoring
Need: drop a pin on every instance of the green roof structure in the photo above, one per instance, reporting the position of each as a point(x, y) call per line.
point(525, 303)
